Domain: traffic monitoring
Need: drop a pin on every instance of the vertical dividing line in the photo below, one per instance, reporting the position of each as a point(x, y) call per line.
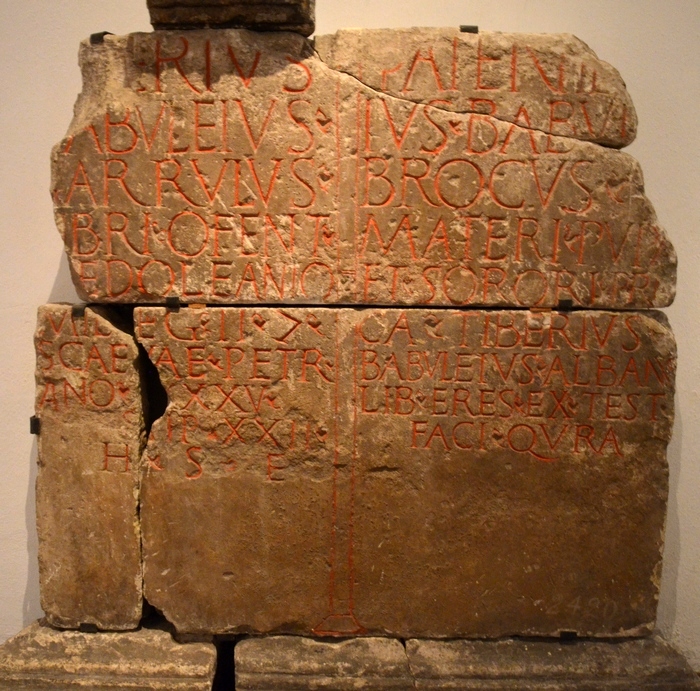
point(353, 461)
point(338, 174)
point(357, 192)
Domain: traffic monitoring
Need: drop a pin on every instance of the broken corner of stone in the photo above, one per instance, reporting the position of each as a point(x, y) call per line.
point(316, 458)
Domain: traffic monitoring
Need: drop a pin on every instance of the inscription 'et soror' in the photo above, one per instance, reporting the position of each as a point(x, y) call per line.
point(306, 444)
point(221, 167)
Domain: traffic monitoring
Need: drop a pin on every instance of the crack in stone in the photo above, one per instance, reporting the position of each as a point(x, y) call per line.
point(463, 113)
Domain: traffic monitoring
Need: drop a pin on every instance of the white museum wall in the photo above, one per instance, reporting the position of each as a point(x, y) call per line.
point(654, 43)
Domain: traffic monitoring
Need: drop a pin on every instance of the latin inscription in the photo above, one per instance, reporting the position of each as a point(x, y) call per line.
point(392, 422)
point(88, 398)
point(243, 169)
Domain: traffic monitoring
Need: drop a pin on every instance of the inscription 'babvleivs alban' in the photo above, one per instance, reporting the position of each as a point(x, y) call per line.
point(302, 447)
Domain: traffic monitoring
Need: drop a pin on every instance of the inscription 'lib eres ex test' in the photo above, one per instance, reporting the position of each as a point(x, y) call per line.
point(322, 461)
point(409, 467)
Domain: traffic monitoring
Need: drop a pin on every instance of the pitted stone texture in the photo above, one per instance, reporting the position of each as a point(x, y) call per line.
point(641, 665)
point(92, 433)
point(233, 167)
point(41, 658)
point(410, 473)
point(260, 15)
point(291, 663)
point(549, 82)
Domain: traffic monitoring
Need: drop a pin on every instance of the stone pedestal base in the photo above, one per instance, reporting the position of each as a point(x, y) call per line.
point(285, 663)
point(41, 658)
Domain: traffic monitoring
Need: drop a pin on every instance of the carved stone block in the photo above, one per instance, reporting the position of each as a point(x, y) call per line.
point(291, 663)
point(88, 399)
point(260, 15)
point(551, 83)
point(231, 167)
point(641, 665)
point(407, 472)
point(297, 664)
point(43, 659)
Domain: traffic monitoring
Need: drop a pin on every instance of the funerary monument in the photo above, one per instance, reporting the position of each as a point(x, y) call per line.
point(370, 388)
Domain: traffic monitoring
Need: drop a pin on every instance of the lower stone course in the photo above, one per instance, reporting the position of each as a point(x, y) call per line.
point(286, 663)
point(41, 658)
point(289, 663)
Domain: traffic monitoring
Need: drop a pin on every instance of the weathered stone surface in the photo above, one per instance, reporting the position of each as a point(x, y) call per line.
point(228, 166)
point(413, 473)
point(145, 660)
point(261, 15)
point(292, 663)
point(649, 664)
point(88, 399)
point(549, 82)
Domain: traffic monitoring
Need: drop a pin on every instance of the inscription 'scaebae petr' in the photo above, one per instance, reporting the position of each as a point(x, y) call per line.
point(407, 472)
point(88, 399)
point(233, 167)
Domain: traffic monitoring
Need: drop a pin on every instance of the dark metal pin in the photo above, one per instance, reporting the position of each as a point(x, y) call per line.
point(98, 38)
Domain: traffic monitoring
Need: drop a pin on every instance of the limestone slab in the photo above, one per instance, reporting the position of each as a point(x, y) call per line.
point(232, 167)
point(292, 663)
point(88, 399)
point(649, 664)
point(549, 82)
point(146, 660)
point(260, 15)
point(407, 472)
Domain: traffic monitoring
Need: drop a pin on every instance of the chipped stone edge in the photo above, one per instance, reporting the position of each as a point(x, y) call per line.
point(326, 46)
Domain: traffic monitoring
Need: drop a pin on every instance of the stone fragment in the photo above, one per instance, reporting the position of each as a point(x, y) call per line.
point(407, 472)
point(640, 665)
point(260, 15)
point(228, 166)
point(88, 399)
point(40, 658)
point(292, 663)
point(549, 82)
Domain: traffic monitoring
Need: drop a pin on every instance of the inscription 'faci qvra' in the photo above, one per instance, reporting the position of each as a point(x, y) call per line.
point(306, 444)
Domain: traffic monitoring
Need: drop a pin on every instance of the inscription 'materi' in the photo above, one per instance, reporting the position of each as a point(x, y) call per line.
point(240, 167)
point(336, 433)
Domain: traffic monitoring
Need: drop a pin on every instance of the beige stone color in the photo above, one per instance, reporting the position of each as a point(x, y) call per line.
point(235, 167)
point(407, 472)
point(88, 399)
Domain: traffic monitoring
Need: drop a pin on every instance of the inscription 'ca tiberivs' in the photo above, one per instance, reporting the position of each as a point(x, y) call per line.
point(336, 433)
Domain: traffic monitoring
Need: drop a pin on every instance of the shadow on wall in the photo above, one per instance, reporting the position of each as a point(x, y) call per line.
point(63, 289)
point(31, 609)
point(668, 601)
